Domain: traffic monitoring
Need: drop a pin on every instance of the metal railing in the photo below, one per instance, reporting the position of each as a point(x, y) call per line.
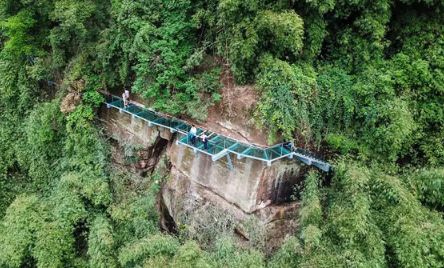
point(218, 145)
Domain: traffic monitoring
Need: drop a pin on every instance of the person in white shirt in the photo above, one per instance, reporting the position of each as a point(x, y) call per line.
point(127, 94)
point(125, 100)
point(193, 134)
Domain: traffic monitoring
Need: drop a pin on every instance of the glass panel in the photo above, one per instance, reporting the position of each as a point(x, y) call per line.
point(273, 153)
point(277, 151)
point(214, 139)
point(162, 121)
point(133, 109)
point(118, 103)
point(256, 152)
point(184, 127)
point(240, 148)
point(176, 124)
point(148, 115)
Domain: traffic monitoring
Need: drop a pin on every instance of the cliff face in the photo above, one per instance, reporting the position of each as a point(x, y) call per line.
point(249, 189)
point(249, 185)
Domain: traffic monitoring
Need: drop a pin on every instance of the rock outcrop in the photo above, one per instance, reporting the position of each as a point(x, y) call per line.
point(250, 189)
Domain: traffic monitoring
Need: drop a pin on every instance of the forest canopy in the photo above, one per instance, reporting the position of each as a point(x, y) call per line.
point(360, 81)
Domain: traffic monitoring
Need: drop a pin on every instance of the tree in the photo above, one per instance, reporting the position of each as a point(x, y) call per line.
point(428, 184)
point(101, 243)
point(23, 218)
point(44, 136)
point(413, 234)
point(154, 246)
point(190, 255)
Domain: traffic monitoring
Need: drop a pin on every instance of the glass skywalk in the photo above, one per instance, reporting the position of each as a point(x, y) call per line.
point(219, 146)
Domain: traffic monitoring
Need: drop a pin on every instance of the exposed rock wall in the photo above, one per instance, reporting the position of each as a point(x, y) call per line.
point(250, 185)
point(131, 130)
point(250, 188)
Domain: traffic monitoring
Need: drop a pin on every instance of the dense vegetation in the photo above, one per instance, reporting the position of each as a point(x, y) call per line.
point(363, 80)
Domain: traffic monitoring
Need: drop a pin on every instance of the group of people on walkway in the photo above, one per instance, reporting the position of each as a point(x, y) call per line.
point(192, 134)
point(192, 137)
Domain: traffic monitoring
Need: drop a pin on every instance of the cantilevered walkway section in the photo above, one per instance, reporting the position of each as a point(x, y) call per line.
point(219, 146)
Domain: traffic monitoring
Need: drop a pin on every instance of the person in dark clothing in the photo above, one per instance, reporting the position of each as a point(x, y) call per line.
point(288, 145)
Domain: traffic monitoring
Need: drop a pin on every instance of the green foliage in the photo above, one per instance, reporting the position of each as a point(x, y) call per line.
point(311, 215)
point(249, 30)
point(71, 33)
point(154, 246)
point(342, 144)
point(66, 201)
point(277, 108)
point(288, 255)
point(312, 249)
point(286, 93)
point(364, 78)
point(365, 117)
point(283, 30)
point(17, 29)
point(133, 209)
point(27, 230)
point(351, 225)
point(190, 255)
point(86, 157)
point(44, 132)
point(18, 91)
point(93, 98)
point(429, 185)
point(418, 72)
point(311, 212)
point(159, 45)
point(54, 245)
point(337, 105)
point(226, 254)
point(22, 219)
point(413, 235)
point(101, 244)
point(256, 233)
point(315, 33)
point(208, 85)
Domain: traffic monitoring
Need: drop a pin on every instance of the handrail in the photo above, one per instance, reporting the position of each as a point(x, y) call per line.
point(219, 144)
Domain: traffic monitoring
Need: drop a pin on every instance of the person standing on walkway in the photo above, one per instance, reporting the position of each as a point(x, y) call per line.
point(125, 100)
point(289, 145)
point(204, 139)
point(193, 134)
point(127, 94)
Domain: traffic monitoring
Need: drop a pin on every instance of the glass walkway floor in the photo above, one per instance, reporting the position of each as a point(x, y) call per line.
point(219, 146)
